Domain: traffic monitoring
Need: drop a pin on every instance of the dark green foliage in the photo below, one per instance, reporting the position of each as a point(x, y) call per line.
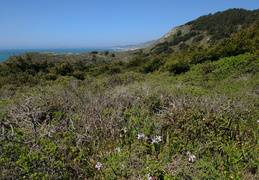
point(23, 70)
point(81, 65)
point(223, 24)
point(153, 65)
point(94, 52)
point(179, 33)
point(207, 30)
point(165, 47)
point(50, 77)
point(79, 75)
point(183, 38)
point(183, 46)
point(114, 70)
point(140, 52)
point(21, 64)
point(154, 103)
point(162, 48)
point(179, 68)
point(138, 61)
point(112, 55)
point(245, 41)
point(65, 69)
point(198, 38)
point(93, 58)
point(95, 71)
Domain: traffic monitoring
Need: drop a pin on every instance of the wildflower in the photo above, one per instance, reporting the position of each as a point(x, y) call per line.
point(191, 157)
point(118, 149)
point(159, 138)
point(156, 140)
point(124, 129)
point(98, 166)
point(142, 136)
point(149, 177)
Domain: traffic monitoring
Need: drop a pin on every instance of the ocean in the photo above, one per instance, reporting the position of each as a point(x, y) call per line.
point(6, 53)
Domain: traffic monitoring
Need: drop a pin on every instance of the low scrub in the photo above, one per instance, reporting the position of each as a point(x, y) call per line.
point(199, 125)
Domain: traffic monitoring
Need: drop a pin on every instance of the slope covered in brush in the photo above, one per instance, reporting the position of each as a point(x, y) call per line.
point(206, 30)
point(33, 68)
point(245, 41)
point(132, 125)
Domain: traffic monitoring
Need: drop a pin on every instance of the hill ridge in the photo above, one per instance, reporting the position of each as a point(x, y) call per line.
point(206, 30)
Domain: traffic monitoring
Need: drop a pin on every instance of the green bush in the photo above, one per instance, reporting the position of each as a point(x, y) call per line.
point(179, 68)
point(64, 69)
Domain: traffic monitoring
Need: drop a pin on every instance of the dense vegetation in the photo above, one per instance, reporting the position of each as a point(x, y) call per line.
point(192, 114)
point(221, 25)
point(206, 30)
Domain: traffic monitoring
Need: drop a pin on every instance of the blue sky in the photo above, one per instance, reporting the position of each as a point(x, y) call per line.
point(99, 23)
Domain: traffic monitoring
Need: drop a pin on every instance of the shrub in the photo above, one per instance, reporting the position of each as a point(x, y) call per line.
point(64, 69)
point(179, 67)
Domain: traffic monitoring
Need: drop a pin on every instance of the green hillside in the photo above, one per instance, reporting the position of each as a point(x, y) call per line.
point(191, 114)
point(206, 30)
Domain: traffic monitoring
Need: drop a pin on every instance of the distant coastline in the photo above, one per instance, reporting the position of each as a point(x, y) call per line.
point(6, 53)
point(134, 47)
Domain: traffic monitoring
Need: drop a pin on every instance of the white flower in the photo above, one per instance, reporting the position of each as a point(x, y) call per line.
point(149, 177)
point(98, 166)
point(118, 149)
point(192, 158)
point(156, 140)
point(124, 129)
point(159, 138)
point(142, 136)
